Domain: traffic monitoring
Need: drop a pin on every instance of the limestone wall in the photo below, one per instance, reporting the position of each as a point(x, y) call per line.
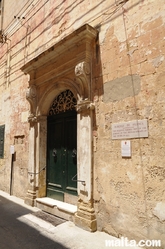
point(129, 192)
point(127, 84)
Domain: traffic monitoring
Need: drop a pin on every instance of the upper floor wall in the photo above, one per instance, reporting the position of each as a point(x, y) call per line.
point(11, 11)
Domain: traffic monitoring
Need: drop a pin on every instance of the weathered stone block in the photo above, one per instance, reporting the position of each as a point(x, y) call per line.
point(122, 88)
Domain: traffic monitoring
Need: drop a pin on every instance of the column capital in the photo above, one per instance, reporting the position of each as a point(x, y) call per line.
point(32, 118)
point(84, 105)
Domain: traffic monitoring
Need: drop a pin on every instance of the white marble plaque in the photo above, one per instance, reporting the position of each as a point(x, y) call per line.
point(131, 129)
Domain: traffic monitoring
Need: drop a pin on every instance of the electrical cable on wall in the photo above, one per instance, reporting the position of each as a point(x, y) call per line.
point(140, 150)
point(109, 15)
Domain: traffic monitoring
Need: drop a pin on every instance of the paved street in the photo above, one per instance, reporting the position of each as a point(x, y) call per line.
point(17, 233)
point(23, 227)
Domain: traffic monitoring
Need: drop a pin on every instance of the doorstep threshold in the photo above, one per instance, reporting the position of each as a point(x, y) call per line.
point(63, 206)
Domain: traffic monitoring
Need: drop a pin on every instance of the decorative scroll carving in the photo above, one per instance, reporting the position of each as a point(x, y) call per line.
point(31, 92)
point(83, 68)
point(83, 72)
point(31, 96)
point(65, 101)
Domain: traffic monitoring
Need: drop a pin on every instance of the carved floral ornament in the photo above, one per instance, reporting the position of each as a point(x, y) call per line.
point(85, 105)
point(32, 118)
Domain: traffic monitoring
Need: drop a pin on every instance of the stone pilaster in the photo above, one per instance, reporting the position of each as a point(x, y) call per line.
point(85, 216)
point(41, 150)
point(31, 193)
point(31, 96)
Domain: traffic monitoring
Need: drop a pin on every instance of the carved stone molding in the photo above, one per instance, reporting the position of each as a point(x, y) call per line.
point(31, 96)
point(83, 75)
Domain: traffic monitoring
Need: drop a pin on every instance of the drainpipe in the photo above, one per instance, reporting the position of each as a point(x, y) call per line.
point(12, 162)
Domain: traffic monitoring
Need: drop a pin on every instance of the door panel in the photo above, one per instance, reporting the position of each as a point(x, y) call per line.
point(54, 173)
point(61, 161)
point(71, 143)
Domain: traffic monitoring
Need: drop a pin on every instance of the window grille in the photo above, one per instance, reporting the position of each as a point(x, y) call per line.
point(65, 101)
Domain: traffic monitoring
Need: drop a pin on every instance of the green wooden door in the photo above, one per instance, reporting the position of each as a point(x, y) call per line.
point(61, 155)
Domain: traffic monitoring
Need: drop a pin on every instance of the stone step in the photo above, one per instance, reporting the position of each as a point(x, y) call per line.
point(61, 209)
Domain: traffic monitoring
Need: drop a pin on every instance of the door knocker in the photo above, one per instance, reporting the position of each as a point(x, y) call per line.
point(54, 153)
point(74, 153)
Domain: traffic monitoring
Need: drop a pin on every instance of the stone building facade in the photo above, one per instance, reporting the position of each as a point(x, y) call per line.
point(82, 108)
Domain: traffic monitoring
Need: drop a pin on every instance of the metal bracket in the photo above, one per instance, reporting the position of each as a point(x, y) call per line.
point(36, 173)
point(83, 182)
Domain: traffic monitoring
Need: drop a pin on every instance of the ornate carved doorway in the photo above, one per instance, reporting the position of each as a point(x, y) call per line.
point(62, 147)
point(68, 64)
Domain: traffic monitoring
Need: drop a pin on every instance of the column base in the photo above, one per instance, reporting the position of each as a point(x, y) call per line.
point(85, 217)
point(30, 198)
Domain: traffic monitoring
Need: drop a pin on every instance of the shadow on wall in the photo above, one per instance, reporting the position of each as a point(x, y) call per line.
point(16, 234)
point(97, 87)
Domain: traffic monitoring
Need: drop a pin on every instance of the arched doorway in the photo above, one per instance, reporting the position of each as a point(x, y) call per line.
point(68, 64)
point(62, 147)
